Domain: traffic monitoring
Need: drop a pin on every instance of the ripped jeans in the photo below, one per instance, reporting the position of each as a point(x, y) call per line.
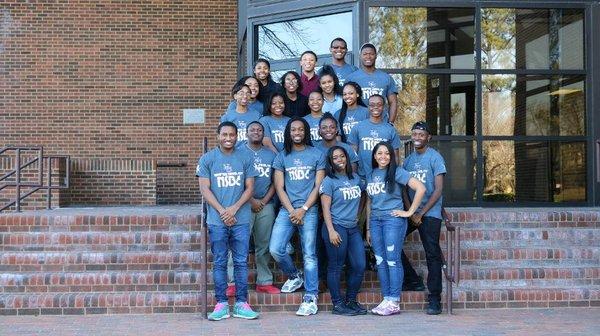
point(387, 238)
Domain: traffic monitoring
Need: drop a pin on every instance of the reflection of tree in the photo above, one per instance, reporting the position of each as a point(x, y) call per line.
point(411, 101)
point(275, 38)
point(498, 38)
point(401, 36)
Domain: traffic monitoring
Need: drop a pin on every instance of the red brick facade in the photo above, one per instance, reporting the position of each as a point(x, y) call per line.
point(108, 80)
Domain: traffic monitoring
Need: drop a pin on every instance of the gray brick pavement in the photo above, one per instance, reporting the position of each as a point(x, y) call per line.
point(530, 322)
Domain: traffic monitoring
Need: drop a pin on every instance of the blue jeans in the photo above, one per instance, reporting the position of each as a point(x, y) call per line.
point(352, 249)
point(387, 238)
point(236, 238)
point(281, 235)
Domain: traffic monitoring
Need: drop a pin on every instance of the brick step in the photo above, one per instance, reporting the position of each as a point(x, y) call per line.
point(523, 263)
point(87, 261)
point(188, 302)
point(571, 234)
point(101, 241)
point(529, 283)
point(526, 273)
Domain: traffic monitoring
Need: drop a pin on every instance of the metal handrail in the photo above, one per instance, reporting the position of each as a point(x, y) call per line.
point(18, 167)
point(203, 251)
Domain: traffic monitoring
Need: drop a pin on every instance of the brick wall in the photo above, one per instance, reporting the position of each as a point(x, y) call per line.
point(108, 80)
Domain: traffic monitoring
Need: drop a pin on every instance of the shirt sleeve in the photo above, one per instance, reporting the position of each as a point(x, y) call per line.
point(438, 165)
point(392, 87)
point(326, 187)
point(203, 169)
point(249, 169)
point(266, 126)
point(353, 137)
point(320, 160)
point(278, 162)
point(352, 154)
point(395, 140)
point(402, 176)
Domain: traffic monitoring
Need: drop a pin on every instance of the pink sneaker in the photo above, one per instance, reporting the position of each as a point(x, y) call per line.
point(391, 308)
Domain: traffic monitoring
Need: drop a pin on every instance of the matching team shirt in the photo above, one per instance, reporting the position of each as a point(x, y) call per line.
point(227, 174)
point(274, 129)
point(345, 198)
point(365, 135)
point(425, 167)
point(262, 160)
point(382, 202)
point(241, 120)
point(299, 169)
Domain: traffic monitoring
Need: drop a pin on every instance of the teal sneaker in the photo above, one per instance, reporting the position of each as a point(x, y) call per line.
point(243, 310)
point(221, 312)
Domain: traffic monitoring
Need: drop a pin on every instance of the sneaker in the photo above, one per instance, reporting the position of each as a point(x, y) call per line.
point(292, 285)
point(308, 307)
point(379, 309)
point(342, 309)
point(221, 312)
point(269, 289)
point(230, 291)
point(391, 309)
point(354, 305)
point(243, 310)
point(434, 308)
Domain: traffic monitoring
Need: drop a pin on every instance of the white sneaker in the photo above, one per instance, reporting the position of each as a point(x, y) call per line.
point(307, 308)
point(292, 285)
point(380, 308)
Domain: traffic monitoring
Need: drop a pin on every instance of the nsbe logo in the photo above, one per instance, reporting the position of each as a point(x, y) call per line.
point(314, 134)
point(349, 125)
point(263, 170)
point(419, 174)
point(242, 130)
point(369, 143)
point(299, 173)
point(227, 168)
point(277, 136)
point(297, 162)
point(375, 188)
point(226, 180)
point(350, 193)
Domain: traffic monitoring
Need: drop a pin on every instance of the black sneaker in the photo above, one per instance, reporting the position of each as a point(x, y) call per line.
point(354, 305)
point(342, 309)
point(434, 308)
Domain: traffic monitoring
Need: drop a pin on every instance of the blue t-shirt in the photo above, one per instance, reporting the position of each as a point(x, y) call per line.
point(383, 203)
point(241, 120)
point(313, 123)
point(274, 129)
point(227, 174)
point(351, 153)
point(255, 106)
point(332, 106)
point(425, 167)
point(299, 169)
point(342, 72)
point(353, 117)
point(365, 135)
point(263, 162)
point(345, 198)
point(379, 82)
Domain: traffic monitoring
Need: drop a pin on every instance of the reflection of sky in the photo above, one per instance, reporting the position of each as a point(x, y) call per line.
point(316, 35)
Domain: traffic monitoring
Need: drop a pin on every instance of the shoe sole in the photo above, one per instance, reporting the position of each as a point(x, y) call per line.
point(346, 314)
point(219, 319)
point(245, 317)
point(308, 314)
point(293, 289)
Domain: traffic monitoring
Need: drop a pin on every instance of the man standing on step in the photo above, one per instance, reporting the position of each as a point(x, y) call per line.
point(426, 165)
point(339, 49)
point(226, 178)
point(298, 172)
point(263, 209)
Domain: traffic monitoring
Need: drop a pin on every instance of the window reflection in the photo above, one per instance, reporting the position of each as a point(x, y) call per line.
point(534, 171)
point(446, 102)
point(532, 38)
point(423, 37)
point(533, 105)
point(289, 39)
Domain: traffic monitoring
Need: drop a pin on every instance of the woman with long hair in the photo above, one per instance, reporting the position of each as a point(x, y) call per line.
point(387, 222)
point(253, 102)
point(296, 104)
point(329, 86)
point(340, 192)
point(262, 72)
point(353, 109)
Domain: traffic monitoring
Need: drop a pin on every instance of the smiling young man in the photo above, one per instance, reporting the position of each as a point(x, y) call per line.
point(374, 81)
point(298, 172)
point(426, 165)
point(226, 179)
point(309, 77)
point(339, 49)
point(369, 132)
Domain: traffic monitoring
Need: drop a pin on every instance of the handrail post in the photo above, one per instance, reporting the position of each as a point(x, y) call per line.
point(203, 251)
point(18, 181)
point(49, 190)
point(450, 251)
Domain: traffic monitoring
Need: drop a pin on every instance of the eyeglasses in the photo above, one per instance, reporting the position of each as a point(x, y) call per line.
point(291, 80)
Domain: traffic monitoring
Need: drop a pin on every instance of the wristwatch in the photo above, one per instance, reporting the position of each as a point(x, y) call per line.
point(305, 208)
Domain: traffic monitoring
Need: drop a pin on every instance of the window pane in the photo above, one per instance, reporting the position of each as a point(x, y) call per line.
point(533, 105)
point(532, 38)
point(446, 102)
point(423, 37)
point(290, 39)
point(534, 171)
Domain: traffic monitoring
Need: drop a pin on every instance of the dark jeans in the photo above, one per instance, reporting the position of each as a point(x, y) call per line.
point(429, 231)
point(321, 250)
point(222, 239)
point(351, 249)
